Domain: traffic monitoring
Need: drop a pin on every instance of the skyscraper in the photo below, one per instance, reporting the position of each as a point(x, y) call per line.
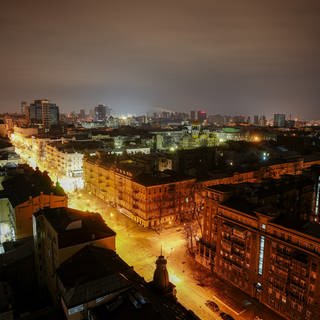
point(42, 112)
point(202, 115)
point(101, 112)
point(192, 115)
point(279, 120)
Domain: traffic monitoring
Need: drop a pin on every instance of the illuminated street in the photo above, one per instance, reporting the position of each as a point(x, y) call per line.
point(140, 247)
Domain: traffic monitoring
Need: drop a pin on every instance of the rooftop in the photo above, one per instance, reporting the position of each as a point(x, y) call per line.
point(92, 273)
point(159, 178)
point(140, 303)
point(19, 187)
point(222, 187)
point(308, 228)
point(74, 226)
point(77, 145)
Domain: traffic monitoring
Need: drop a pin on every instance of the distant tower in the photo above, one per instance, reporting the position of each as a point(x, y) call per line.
point(44, 113)
point(102, 112)
point(279, 120)
point(192, 115)
point(24, 105)
point(263, 121)
point(202, 115)
point(82, 114)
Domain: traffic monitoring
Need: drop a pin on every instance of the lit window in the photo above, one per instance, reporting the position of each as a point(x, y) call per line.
point(75, 309)
point(261, 255)
point(99, 299)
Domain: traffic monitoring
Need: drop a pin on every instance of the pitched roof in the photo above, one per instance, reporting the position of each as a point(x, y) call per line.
point(92, 273)
point(75, 226)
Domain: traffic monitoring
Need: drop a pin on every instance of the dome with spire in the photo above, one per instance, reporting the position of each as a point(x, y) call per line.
point(161, 276)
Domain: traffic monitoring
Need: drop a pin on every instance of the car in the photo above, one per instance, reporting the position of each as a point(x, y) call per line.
point(212, 305)
point(226, 316)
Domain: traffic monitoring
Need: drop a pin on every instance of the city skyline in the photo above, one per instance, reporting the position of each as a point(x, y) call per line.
point(225, 58)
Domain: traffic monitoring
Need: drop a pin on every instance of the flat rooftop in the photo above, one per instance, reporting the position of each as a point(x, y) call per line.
point(76, 145)
point(308, 228)
point(159, 178)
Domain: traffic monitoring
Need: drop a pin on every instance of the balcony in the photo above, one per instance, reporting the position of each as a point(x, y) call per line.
point(296, 288)
point(239, 245)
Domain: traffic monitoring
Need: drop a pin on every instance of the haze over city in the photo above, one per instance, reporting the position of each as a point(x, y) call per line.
point(160, 160)
point(227, 57)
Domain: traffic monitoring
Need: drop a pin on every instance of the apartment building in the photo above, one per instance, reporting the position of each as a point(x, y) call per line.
point(262, 239)
point(61, 232)
point(64, 159)
point(24, 193)
point(152, 199)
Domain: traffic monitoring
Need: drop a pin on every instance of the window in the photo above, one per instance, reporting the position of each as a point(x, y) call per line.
point(261, 255)
point(99, 299)
point(75, 309)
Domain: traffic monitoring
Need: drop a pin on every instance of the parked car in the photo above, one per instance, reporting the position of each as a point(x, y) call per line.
point(226, 316)
point(212, 305)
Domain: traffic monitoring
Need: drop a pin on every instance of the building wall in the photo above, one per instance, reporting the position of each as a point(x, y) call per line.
point(24, 211)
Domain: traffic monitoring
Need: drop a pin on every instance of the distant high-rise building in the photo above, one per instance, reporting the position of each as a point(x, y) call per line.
point(279, 120)
point(290, 123)
point(192, 115)
point(262, 121)
point(202, 115)
point(256, 120)
point(43, 113)
point(239, 119)
point(82, 114)
point(24, 107)
point(101, 112)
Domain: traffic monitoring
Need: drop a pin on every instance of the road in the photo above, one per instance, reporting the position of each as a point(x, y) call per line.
point(140, 247)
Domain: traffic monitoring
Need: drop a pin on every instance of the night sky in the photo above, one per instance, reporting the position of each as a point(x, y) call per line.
point(227, 57)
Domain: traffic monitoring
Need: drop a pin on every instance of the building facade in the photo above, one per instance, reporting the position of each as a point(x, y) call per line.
point(262, 240)
point(151, 199)
point(279, 120)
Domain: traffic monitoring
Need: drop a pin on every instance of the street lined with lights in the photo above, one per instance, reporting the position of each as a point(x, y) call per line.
point(140, 246)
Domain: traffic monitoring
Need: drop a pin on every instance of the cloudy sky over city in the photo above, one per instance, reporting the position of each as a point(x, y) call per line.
point(227, 57)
